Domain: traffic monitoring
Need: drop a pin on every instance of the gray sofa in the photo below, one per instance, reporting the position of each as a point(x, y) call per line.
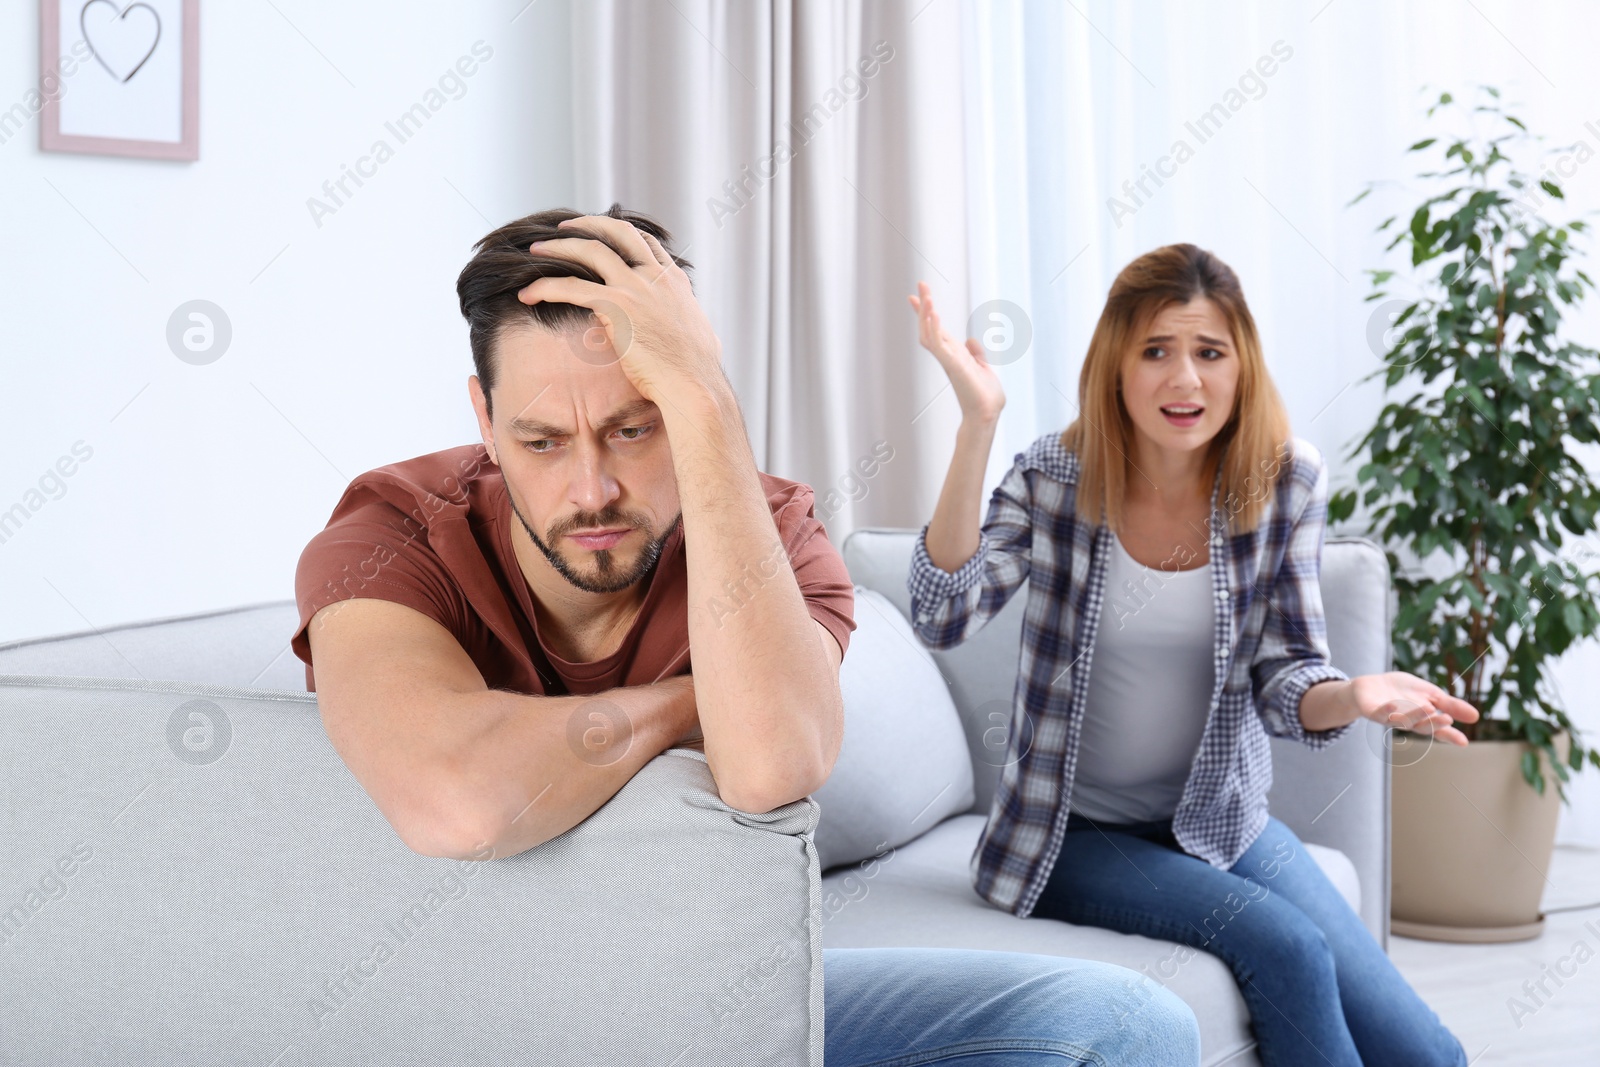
point(192, 875)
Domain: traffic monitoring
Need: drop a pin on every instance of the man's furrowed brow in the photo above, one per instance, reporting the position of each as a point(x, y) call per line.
point(628, 413)
point(639, 409)
point(535, 428)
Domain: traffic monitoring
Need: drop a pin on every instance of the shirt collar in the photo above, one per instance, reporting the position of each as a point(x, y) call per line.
point(1049, 455)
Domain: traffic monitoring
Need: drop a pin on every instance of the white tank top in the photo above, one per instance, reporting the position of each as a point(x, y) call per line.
point(1150, 685)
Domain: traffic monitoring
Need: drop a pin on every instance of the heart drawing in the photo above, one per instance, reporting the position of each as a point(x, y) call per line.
point(116, 42)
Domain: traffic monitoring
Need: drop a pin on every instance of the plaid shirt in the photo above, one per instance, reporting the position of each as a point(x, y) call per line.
point(1270, 647)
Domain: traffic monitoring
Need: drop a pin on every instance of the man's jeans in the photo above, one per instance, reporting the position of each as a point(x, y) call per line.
point(890, 1007)
point(1319, 988)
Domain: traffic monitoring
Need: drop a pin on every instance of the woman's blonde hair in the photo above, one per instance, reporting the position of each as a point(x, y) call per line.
point(1256, 436)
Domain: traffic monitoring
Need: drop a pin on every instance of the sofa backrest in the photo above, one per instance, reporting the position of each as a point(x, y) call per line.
point(245, 646)
point(1309, 791)
point(193, 876)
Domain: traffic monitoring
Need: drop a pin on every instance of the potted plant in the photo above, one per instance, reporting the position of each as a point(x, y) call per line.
point(1469, 472)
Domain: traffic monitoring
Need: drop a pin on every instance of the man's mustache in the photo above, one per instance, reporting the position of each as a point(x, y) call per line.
point(596, 520)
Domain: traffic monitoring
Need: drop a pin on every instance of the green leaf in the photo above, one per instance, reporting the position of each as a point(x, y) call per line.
point(1424, 143)
point(1341, 505)
point(1552, 188)
point(1572, 615)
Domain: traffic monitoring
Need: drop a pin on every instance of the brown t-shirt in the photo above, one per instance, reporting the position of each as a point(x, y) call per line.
point(434, 533)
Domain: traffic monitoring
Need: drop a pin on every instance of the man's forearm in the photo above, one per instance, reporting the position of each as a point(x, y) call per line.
point(541, 765)
point(765, 689)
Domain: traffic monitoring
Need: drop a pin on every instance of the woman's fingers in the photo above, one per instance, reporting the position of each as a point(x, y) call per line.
point(1459, 709)
point(1421, 707)
point(924, 305)
point(1425, 719)
point(964, 363)
point(935, 337)
point(1448, 733)
point(1453, 706)
point(1407, 714)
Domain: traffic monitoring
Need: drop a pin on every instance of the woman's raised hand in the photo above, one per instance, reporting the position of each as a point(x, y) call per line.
point(977, 387)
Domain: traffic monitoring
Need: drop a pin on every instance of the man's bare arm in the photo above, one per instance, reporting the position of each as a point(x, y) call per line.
point(457, 768)
point(767, 673)
point(768, 685)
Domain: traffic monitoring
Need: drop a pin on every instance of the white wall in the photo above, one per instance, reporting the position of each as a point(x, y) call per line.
point(348, 351)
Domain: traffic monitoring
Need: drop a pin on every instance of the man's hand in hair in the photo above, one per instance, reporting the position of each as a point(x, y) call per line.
point(651, 318)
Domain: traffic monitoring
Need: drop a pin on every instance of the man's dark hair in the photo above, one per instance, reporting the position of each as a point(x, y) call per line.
point(501, 265)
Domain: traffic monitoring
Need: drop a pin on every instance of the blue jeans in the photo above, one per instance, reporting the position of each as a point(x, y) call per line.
point(1319, 988)
point(892, 1007)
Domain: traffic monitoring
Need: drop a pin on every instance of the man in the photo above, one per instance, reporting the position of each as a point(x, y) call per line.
point(589, 545)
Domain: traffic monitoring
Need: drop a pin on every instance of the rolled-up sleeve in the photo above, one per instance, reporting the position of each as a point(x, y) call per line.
point(818, 568)
point(1293, 653)
point(947, 607)
point(370, 549)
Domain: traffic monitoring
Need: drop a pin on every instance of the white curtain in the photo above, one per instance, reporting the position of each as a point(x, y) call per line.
point(684, 110)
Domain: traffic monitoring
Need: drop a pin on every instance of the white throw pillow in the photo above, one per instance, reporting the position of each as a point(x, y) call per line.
point(904, 766)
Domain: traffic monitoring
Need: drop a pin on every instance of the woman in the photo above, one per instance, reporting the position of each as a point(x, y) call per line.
point(1171, 537)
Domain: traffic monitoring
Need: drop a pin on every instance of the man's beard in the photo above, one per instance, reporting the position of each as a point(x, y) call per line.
point(608, 578)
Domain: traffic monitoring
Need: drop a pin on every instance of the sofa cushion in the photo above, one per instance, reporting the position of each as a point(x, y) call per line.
point(904, 766)
point(921, 894)
point(982, 670)
point(194, 876)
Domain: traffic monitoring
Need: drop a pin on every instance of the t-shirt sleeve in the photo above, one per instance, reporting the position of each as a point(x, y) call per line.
point(371, 549)
point(817, 565)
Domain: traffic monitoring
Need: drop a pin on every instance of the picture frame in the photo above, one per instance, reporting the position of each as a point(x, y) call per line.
point(120, 77)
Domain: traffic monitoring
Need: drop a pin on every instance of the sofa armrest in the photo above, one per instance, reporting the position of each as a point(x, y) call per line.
point(195, 875)
point(1339, 796)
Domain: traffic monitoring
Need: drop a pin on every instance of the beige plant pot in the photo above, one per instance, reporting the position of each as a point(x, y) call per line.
point(1472, 840)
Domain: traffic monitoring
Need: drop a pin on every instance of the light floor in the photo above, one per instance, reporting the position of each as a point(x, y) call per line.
point(1472, 986)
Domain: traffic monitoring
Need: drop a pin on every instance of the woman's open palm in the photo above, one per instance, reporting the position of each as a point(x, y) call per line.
point(1403, 701)
point(977, 387)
